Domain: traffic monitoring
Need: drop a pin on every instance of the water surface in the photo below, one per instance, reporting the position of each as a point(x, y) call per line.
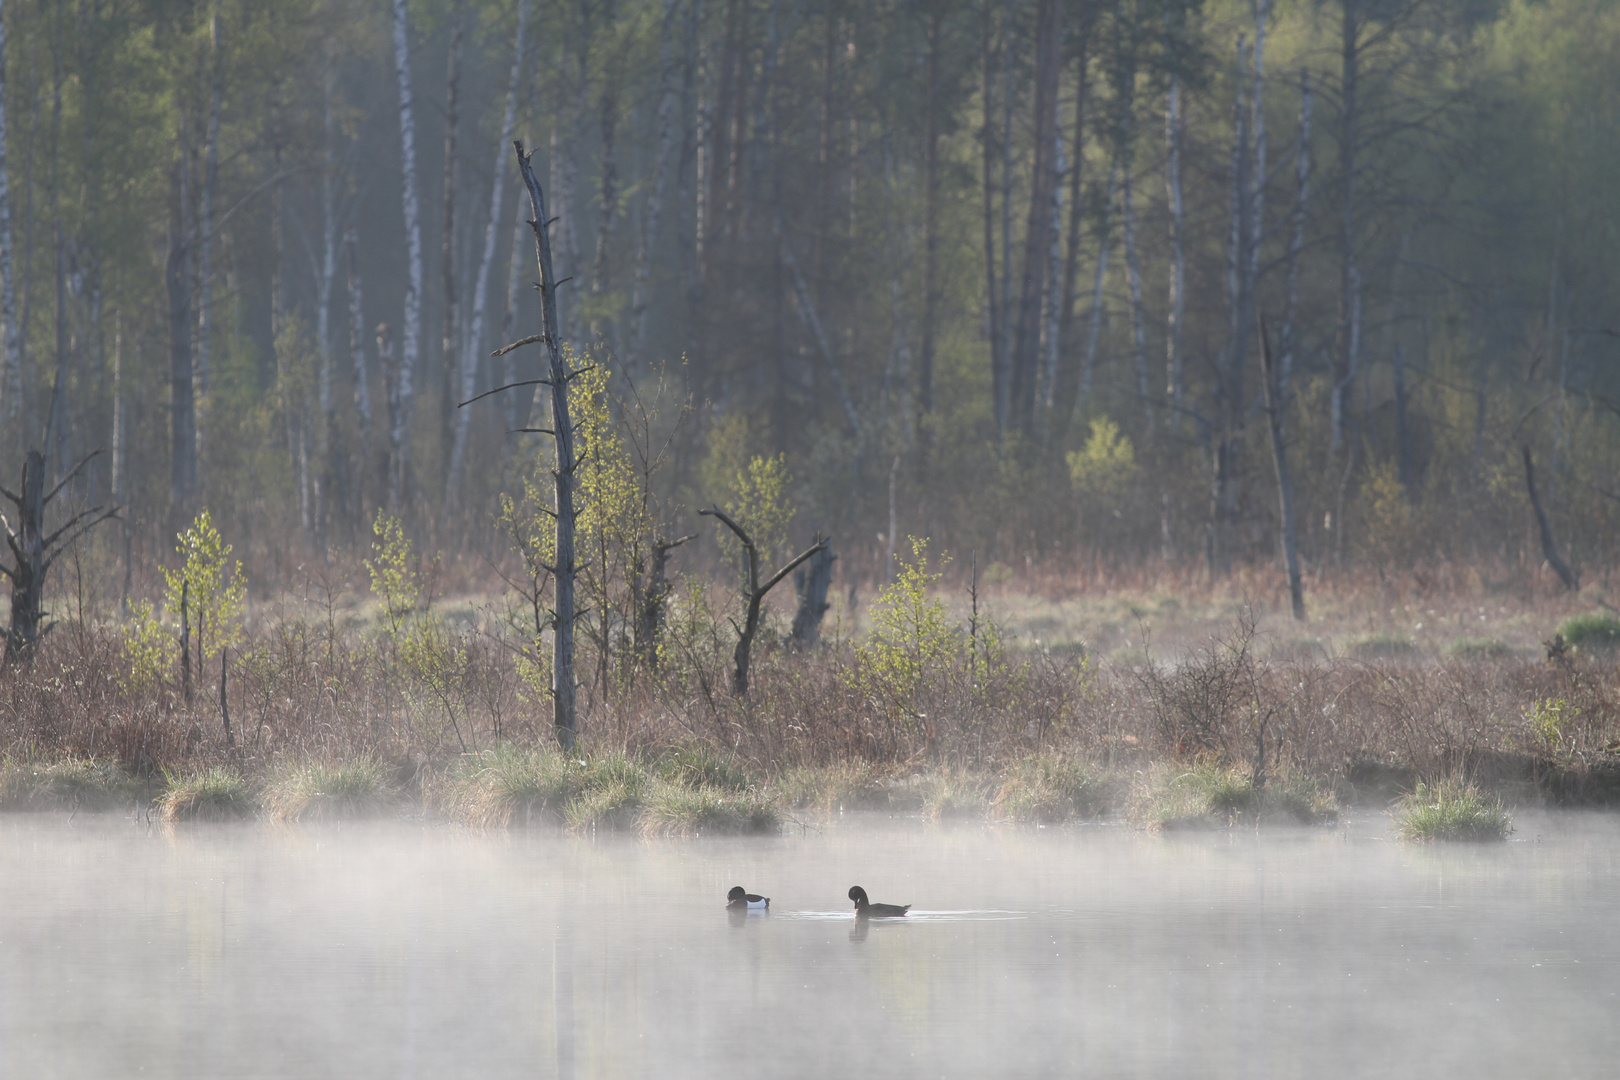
point(408, 950)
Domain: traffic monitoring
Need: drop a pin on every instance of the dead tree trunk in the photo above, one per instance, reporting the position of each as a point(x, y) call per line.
point(1549, 549)
point(33, 550)
point(652, 600)
point(753, 596)
point(563, 712)
point(812, 584)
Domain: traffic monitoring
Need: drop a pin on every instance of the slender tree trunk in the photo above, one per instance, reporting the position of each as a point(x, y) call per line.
point(120, 458)
point(564, 715)
point(1175, 389)
point(516, 416)
point(1133, 277)
point(325, 414)
point(1277, 378)
point(1549, 548)
point(11, 371)
point(665, 124)
point(1232, 414)
point(1052, 320)
point(930, 313)
point(1349, 353)
point(410, 345)
point(987, 140)
point(1066, 382)
point(357, 360)
point(448, 413)
point(473, 347)
point(182, 388)
point(205, 254)
point(1037, 241)
point(1274, 382)
point(1104, 241)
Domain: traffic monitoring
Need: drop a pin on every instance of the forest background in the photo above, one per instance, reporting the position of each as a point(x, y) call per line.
point(995, 273)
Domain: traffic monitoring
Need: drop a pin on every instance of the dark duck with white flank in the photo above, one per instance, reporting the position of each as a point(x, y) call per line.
point(740, 899)
point(865, 909)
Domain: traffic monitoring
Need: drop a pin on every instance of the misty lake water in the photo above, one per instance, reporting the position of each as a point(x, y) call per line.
point(406, 950)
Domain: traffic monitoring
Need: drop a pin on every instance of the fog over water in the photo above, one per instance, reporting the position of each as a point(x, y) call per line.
point(404, 950)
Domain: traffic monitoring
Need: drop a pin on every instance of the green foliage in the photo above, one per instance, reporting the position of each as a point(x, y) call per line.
point(1107, 462)
point(150, 649)
point(394, 580)
point(910, 636)
point(212, 585)
point(760, 505)
point(1549, 718)
point(1452, 810)
point(1596, 631)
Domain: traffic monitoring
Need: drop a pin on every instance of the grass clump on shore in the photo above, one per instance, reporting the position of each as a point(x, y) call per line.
point(1210, 797)
point(70, 784)
point(1596, 631)
point(954, 795)
point(845, 785)
point(675, 810)
point(215, 794)
point(1048, 788)
point(508, 786)
point(316, 790)
point(1452, 810)
point(701, 765)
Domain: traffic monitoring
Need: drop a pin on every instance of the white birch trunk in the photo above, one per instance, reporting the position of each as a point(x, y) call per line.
point(473, 344)
point(410, 345)
point(655, 196)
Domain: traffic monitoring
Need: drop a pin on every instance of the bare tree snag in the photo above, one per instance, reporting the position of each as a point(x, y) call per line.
point(754, 595)
point(1549, 549)
point(33, 550)
point(563, 712)
point(812, 584)
point(651, 600)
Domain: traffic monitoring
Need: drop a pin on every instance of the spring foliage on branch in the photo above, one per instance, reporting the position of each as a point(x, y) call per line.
point(212, 585)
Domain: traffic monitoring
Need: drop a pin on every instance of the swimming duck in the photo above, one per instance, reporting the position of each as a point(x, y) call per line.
point(864, 908)
point(739, 899)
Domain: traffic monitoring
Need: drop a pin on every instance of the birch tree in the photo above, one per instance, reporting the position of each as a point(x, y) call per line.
point(411, 332)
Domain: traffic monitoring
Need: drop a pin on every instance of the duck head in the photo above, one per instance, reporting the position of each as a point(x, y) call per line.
point(858, 894)
point(737, 893)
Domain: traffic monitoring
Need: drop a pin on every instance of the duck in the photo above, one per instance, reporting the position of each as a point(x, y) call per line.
point(740, 899)
point(865, 909)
